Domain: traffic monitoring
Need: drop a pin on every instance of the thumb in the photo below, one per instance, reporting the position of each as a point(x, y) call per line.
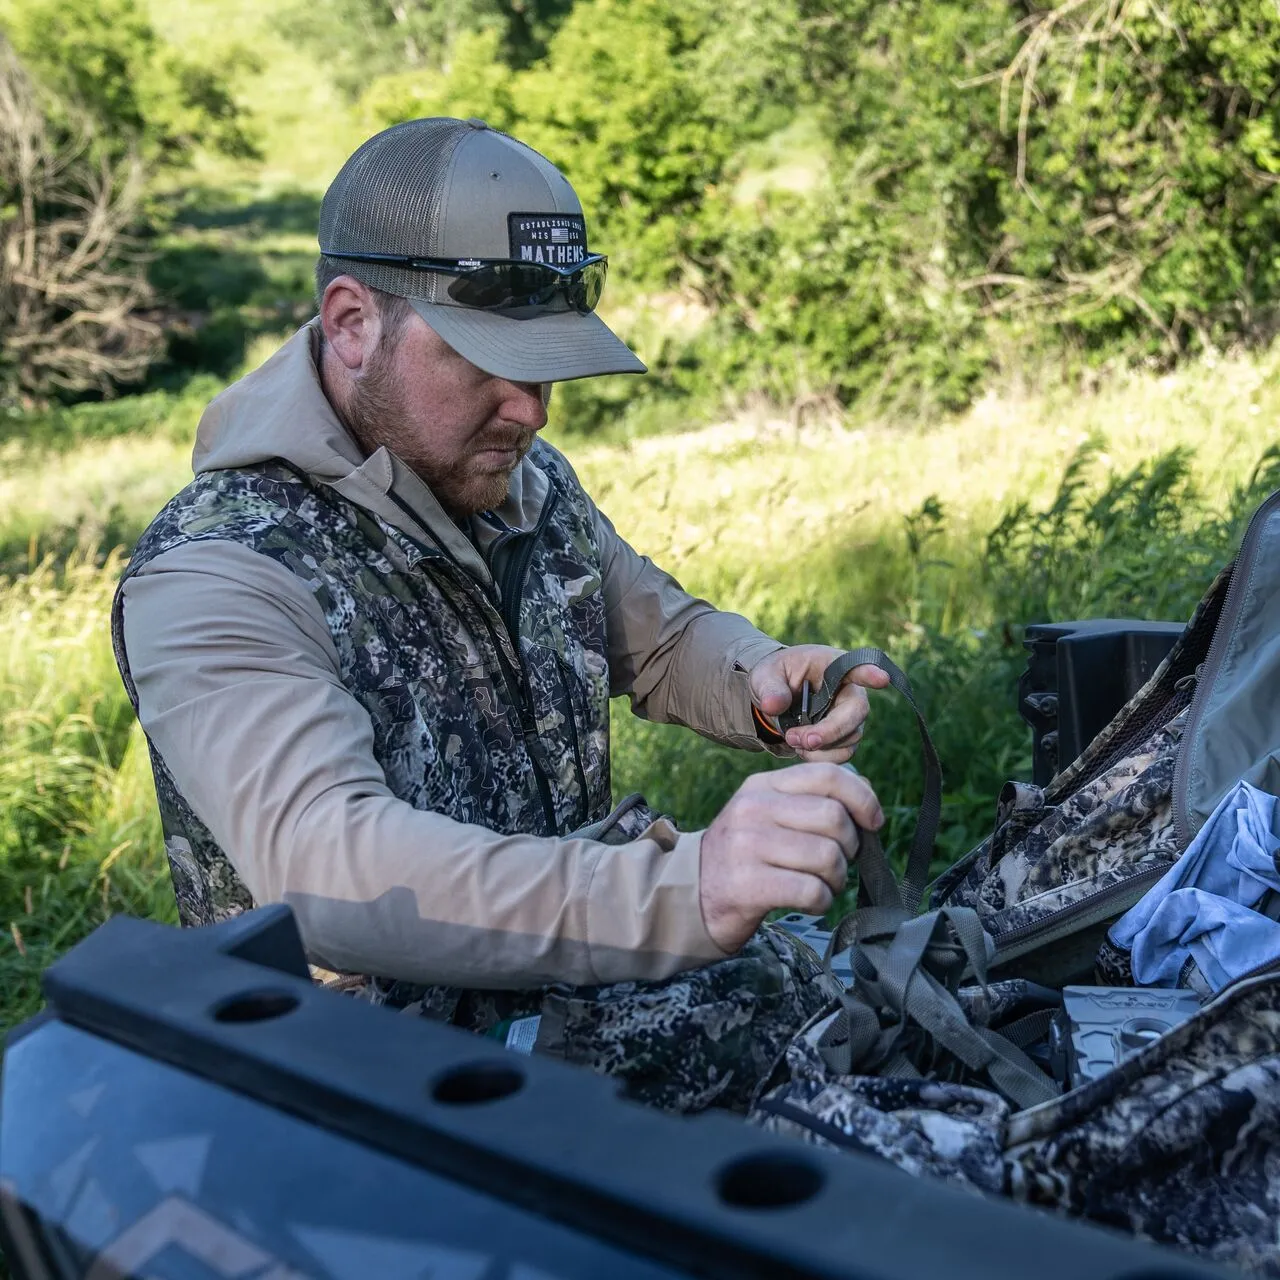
point(769, 687)
point(869, 676)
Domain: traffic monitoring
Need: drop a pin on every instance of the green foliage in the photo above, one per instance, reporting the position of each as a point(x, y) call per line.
point(1092, 176)
point(360, 39)
point(899, 537)
point(1143, 544)
point(79, 840)
point(104, 57)
point(618, 103)
point(233, 264)
point(881, 203)
point(1145, 174)
point(1144, 541)
point(809, 202)
point(1096, 178)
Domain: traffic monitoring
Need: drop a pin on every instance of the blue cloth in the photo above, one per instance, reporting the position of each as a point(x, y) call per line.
point(1202, 907)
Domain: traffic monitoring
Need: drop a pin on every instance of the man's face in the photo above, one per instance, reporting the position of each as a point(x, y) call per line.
point(460, 429)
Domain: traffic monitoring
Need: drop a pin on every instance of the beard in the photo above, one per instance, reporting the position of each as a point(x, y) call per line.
point(376, 415)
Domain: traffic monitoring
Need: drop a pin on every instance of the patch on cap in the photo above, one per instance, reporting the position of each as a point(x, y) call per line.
point(559, 239)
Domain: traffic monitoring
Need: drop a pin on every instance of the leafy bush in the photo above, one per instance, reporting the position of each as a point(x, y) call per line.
point(71, 280)
point(357, 39)
point(618, 105)
point(1141, 545)
point(105, 58)
point(1095, 179)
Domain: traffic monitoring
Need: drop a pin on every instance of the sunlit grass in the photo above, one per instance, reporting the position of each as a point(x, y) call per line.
point(79, 837)
point(101, 493)
point(731, 505)
point(849, 532)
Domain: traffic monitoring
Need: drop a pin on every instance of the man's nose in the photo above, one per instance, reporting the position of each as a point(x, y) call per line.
point(526, 403)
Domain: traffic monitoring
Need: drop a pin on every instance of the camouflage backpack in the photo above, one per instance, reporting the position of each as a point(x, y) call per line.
point(938, 1055)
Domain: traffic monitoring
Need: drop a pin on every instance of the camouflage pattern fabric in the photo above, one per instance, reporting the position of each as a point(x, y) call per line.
point(1177, 1145)
point(707, 1038)
point(1043, 858)
point(1111, 967)
point(1105, 821)
point(422, 668)
point(949, 1131)
point(1002, 1002)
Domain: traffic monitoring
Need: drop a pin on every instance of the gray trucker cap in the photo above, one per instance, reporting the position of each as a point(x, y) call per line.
point(443, 188)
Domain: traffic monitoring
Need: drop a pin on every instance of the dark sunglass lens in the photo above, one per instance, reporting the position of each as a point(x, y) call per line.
point(485, 287)
point(529, 284)
point(504, 284)
point(532, 285)
point(593, 283)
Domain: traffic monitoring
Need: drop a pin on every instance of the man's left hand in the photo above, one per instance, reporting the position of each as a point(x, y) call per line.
point(777, 680)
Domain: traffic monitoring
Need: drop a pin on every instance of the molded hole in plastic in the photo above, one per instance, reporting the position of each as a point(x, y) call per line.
point(770, 1180)
point(256, 1006)
point(477, 1082)
point(1137, 1033)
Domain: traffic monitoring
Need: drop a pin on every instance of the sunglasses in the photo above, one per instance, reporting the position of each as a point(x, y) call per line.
point(507, 284)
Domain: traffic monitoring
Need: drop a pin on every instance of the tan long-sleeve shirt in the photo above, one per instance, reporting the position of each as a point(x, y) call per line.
point(238, 689)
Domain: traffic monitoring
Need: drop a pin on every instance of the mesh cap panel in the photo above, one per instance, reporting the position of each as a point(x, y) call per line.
point(389, 198)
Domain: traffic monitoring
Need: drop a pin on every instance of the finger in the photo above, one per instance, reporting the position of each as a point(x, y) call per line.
point(846, 715)
point(812, 855)
point(869, 675)
point(851, 789)
point(810, 816)
point(796, 891)
point(834, 755)
point(825, 735)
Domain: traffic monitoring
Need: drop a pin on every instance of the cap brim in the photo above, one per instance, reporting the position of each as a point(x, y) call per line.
point(551, 348)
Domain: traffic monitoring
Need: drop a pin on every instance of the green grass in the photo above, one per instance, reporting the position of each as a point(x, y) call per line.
point(846, 532)
point(79, 837)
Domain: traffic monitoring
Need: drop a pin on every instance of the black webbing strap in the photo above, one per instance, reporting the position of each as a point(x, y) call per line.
point(914, 881)
point(900, 1014)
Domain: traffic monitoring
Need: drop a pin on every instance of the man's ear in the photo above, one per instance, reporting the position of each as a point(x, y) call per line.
point(351, 321)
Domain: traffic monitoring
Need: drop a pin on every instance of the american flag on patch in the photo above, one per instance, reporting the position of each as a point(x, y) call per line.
point(561, 235)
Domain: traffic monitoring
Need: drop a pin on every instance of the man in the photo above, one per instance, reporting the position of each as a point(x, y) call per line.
point(372, 646)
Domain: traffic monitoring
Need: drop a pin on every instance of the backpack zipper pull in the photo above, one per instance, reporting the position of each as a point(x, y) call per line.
point(1187, 681)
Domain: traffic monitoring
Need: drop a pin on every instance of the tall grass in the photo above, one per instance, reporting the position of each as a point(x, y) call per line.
point(949, 603)
point(937, 543)
point(79, 838)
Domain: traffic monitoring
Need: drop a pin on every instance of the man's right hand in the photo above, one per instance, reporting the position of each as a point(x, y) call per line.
point(785, 839)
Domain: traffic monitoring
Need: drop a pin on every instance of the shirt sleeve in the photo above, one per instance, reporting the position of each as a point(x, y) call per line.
point(239, 691)
point(679, 660)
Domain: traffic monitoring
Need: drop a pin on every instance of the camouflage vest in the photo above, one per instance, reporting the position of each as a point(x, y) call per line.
point(488, 708)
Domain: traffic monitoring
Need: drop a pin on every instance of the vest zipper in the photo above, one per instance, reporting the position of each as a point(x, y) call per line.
point(566, 679)
point(509, 594)
point(512, 584)
point(514, 679)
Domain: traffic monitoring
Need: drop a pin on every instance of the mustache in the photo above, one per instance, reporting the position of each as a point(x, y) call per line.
point(519, 440)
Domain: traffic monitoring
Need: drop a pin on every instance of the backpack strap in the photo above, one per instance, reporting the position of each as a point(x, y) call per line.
point(900, 1016)
point(881, 887)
